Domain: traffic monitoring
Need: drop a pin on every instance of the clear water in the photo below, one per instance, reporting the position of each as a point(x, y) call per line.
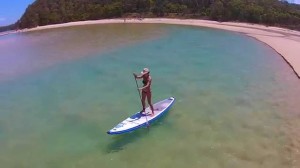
point(62, 89)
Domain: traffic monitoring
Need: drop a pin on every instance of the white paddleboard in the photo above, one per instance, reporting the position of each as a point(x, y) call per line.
point(139, 120)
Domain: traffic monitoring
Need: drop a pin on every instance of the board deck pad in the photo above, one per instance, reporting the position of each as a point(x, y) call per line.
point(138, 120)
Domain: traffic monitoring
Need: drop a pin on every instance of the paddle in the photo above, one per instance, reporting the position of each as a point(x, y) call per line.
point(141, 100)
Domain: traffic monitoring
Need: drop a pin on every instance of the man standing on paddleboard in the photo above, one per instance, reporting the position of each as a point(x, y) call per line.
point(146, 89)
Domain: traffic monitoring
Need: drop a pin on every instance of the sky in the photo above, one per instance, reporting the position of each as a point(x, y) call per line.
point(295, 1)
point(12, 10)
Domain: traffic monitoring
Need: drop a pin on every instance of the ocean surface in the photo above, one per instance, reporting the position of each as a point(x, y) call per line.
point(237, 101)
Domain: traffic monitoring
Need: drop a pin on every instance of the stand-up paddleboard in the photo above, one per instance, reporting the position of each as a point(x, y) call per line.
point(139, 120)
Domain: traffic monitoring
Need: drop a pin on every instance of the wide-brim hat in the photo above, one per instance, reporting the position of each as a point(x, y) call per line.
point(145, 71)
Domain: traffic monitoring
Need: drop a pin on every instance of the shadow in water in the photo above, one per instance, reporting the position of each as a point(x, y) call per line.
point(119, 142)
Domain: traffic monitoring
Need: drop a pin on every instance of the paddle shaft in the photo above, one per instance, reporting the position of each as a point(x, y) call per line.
point(137, 86)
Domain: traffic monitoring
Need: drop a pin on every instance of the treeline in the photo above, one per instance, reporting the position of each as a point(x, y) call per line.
point(268, 12)
point(7, 28)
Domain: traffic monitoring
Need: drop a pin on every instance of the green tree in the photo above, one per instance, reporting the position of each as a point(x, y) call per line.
point(217, 10)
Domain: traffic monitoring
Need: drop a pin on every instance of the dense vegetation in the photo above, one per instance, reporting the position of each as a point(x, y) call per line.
point(7, 28)
point(268, 12)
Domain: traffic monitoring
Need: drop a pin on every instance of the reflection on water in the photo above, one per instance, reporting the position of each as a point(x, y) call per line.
point(27, 52)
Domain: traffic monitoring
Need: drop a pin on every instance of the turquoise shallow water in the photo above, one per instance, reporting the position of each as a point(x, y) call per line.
point(237, 100)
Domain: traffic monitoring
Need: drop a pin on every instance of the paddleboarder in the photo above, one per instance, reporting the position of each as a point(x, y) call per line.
point(146, 89)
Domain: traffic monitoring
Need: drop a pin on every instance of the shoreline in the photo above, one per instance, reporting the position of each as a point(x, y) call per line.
point(9, 32)
point(285, 42)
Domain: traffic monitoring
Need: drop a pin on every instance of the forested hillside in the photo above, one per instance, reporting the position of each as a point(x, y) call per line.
point(268, 12)
point(7, 28)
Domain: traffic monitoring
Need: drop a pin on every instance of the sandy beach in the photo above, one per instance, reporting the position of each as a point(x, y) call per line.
point(286, 42)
